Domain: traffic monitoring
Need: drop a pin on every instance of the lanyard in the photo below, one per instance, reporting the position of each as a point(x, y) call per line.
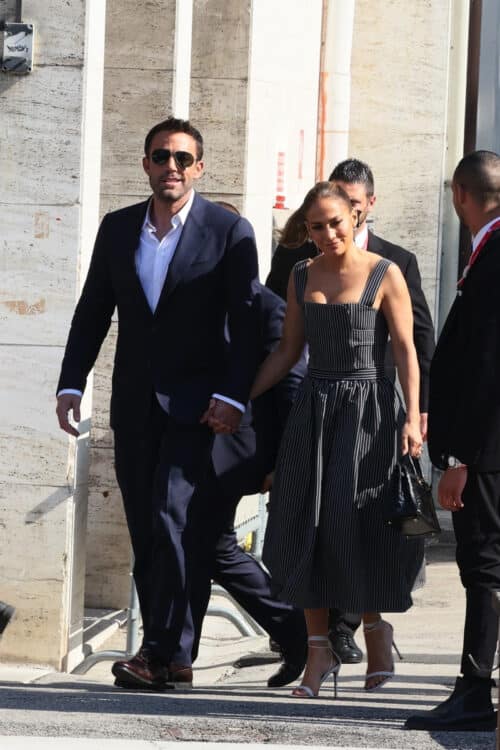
point(476, 252)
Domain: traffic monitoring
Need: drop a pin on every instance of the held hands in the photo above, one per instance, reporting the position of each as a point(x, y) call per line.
point(221, 417)
point(450, 488)
point(65, 403)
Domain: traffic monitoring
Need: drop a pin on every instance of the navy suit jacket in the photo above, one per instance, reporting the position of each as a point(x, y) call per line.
point(180, 349)
point(464, 413)
point(241, 461)
point(285, 258)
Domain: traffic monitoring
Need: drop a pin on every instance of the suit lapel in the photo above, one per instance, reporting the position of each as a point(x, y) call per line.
point(129, 241)
point(191, 244)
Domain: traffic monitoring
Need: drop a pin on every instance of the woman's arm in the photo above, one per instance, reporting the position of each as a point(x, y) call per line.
point(288, 351)
point(396, 306)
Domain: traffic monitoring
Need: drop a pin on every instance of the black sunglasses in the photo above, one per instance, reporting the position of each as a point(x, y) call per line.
point(183, 159)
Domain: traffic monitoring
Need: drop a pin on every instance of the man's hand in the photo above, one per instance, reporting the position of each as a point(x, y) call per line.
point(424, 418)
point(222, 417)
point(65, 403)
point(450, 488)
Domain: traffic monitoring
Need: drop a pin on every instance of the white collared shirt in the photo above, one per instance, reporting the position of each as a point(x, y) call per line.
point(484, 230)
point(153, 256)
point(361, 239)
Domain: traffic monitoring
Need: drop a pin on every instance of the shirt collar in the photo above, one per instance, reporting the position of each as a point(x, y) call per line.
point(178, 219)
point(482, 232)
point(361, 239)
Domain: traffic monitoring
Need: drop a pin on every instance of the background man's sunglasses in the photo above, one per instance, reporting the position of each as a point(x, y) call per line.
point(183, 159)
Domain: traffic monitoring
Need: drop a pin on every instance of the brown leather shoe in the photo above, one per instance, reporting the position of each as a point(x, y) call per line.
point(141, 671)
point(180, 677)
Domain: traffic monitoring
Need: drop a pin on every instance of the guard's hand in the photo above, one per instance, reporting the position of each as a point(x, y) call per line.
point(450, 488)
point(65, 403)
point(267, 483)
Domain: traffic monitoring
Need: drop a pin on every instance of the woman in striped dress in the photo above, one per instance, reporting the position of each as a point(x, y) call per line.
point(327, 542)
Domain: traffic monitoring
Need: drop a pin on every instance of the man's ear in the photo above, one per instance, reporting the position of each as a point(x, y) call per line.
point(459, 193)
point(145, 164)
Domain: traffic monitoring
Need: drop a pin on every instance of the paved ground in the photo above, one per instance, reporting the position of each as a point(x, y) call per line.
point(234, 706)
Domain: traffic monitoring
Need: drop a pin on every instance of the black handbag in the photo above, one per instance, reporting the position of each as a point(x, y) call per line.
point(411, 505)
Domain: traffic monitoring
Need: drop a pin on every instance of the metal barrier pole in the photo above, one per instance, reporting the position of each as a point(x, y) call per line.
point(132, 646)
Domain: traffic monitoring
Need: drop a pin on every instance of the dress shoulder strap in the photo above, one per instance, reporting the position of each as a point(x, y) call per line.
point(300, 279)
point(373, 282)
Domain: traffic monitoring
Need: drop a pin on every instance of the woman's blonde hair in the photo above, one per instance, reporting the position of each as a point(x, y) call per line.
point(294, 232)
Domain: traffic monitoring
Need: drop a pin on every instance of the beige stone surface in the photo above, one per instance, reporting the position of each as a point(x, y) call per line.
point(137, 94)
point(139, 35)
point(107, 581)
point(59, 31)
point(33, 450)
point(220, 39)
point(134, 100)
point(398, 107)
point(34, 570)
point(218, 108)
point(39, 274)
point(42, 122)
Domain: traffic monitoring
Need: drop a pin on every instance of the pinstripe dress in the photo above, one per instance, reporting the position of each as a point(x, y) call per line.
point(327, 543)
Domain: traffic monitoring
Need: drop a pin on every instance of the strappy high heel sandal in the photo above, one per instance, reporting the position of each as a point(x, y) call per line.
point(319, 641)
point(380, 635)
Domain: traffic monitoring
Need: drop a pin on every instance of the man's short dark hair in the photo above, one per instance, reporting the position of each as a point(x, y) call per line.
point(479, 174)
point(175, 125)
point(354, 170)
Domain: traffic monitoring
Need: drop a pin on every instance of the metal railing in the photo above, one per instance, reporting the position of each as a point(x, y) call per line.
point(246, 625)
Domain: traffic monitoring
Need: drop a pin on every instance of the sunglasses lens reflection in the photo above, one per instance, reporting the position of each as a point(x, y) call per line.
point(183, 159)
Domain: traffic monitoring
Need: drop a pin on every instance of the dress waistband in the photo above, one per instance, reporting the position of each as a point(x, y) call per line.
point(367, 373)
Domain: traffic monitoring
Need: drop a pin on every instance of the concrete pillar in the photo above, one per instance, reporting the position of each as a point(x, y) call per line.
point(399, 72)
point(49, 177)
point(138, 81)
point(282, 113)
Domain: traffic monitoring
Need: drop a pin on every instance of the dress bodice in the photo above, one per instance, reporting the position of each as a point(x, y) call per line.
point(345, 339)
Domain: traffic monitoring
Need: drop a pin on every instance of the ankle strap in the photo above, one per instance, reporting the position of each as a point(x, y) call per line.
point(374, 625)
point(318, 639)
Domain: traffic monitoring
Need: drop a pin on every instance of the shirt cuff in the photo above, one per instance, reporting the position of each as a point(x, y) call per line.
point(70, 390)
point(236, 404)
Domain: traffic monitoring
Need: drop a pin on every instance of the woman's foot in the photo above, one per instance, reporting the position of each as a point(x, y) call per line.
point(379, 644)
point(322, 661)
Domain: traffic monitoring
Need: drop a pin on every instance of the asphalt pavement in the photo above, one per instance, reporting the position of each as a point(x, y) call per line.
point(40, 709)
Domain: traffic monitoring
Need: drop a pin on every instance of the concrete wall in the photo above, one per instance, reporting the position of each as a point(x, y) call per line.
point(137, 93)
point(398, 119)
point(43, 164)
point(282, 111)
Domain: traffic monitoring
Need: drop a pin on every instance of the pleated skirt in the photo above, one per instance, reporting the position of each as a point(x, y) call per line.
point(328, 543)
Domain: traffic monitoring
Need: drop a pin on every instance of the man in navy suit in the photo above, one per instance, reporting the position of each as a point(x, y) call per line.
point(175, 267)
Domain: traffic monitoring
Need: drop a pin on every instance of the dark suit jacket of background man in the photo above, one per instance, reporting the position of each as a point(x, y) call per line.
point(423, 331)
point(464, 415)
point(240, 463)
point(464, 422)
point(179, 351)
